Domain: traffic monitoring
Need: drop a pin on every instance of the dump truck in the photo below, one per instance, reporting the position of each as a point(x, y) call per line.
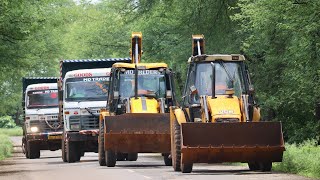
point(219, 120)
point(42, 129)
point(137, 115)
point(83, 88)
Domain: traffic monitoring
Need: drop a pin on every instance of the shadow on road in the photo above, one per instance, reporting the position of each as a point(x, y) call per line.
point(226, 172)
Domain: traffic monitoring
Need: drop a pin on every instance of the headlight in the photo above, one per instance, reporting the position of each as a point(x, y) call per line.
point(75, 127)
point(34, 129)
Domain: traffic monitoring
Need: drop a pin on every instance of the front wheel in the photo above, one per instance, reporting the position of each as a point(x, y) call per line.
point(266, 166)
point(73, 154)
point(186, 168)
point(176, 146)
point(102, 156)
point(254, 166)
point(33, 150)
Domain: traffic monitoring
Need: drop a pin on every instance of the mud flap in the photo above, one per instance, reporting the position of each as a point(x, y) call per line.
point(232, 142)
point(138, 132)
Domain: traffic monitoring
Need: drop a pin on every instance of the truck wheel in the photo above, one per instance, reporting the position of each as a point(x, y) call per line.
point(167, 160)
point(33, 150)
point(111, 158)
point(102, 156)
point(186, 168)
point(265, 166)
point(253, 166)
point(132, 156)
point(121, 156)
point(24, 147)
point(72, 150)
point(176, 146)
point(63, 149)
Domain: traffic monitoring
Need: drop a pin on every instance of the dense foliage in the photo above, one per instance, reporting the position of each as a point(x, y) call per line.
point(280, 39)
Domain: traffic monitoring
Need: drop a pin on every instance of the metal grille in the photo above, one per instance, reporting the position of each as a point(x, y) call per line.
point(87, 122)
point(43, 126)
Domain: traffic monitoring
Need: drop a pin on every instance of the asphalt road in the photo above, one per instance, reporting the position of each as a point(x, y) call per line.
point(148, 166)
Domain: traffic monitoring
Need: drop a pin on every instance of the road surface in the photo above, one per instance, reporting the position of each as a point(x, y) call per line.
point(148, 166)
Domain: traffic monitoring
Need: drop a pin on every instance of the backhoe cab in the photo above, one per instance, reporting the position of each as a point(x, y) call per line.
point(137, 117)
point(219, 120)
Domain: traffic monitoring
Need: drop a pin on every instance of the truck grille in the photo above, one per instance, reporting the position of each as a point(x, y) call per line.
point(87, 122)
point(43, 126)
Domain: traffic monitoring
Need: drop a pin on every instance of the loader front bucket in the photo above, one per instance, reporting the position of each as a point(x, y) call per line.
point(133, 132)
point(231, 142)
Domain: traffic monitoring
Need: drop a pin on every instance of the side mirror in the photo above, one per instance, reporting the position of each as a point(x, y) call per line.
point(115, 94)
point(251, 89)
point(169, 94)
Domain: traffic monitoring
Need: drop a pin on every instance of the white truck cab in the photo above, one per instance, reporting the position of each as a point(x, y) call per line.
point(42, 129)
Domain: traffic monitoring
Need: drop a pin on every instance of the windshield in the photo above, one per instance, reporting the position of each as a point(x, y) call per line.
point(87, 89)
point(149, 82)
point(227, 75)
point(42, 98)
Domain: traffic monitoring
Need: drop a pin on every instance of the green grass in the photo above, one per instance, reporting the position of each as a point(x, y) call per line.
point(11, 131)
point(303, 159)
point(5, 146)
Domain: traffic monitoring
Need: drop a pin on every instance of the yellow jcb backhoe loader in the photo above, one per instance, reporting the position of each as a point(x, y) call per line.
point(137, 116)
point(219, 120)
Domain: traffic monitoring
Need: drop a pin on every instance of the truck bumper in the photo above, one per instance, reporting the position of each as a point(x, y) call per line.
point(84, 135)
point(46, 141)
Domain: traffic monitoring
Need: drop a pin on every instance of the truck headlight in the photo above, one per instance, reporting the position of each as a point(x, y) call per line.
point(34, 129)
point(75, 127)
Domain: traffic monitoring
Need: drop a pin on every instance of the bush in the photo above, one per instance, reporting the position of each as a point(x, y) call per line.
point(7, 122)
point(17, 131)
point(303, 159)
point(5, 146)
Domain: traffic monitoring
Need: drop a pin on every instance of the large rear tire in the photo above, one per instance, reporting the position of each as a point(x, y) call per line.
point(132, 156)
point(111, 158)
point(33, 150)
point(176, 146)
point(253, 166)
point(186, 168)
point(102, 156)
point(167, 160)
point(73, 152)
point(121, 156)
point(265, 166)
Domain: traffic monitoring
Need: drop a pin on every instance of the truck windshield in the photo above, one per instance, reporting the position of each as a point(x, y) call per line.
point(87, 89)
point(227, 75)
point(149, 81)
point(42, 98)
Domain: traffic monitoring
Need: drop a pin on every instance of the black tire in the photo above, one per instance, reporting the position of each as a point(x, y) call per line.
point(82, 153)
point(176, 146)
point(101, 151)
point(132, 156)
point(167, 160)
point(24, 147)
point(63, 149)
point(265, 166)
point(33, 150)
point(121, 156)
point(73, 152)
point(111, 158)
point(254, 166)
point(186, 168)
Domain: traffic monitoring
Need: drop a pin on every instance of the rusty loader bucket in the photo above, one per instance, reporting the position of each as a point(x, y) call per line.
point(133, 132)
point(231, 142)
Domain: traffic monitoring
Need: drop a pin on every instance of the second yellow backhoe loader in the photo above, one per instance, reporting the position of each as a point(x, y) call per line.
point(219, 120)
point(137, 116)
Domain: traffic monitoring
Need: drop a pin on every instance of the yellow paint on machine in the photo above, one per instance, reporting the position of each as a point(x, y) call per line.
point(144, 105)
point(224, 107)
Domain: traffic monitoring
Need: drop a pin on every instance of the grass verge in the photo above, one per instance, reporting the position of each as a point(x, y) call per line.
point(302, 159)
point(11, 131)
point(5, 146)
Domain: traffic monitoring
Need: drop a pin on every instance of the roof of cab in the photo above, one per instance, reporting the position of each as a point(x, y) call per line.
point(140, 65)
point(91, 72)
point(42, 86)
point(216, 57)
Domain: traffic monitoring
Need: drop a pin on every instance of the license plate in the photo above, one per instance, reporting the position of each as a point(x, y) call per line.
point(54, 137)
